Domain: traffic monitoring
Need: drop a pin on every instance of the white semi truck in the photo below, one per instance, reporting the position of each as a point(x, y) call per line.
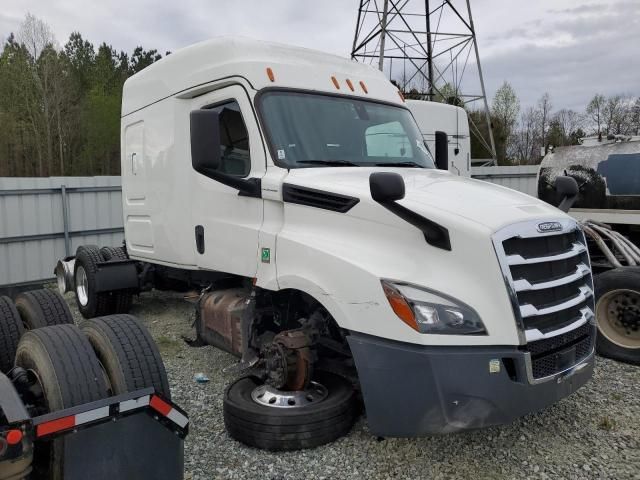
point(294, 189)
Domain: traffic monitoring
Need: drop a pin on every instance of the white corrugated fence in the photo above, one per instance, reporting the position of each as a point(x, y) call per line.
point(522, 178)
point(44, 219)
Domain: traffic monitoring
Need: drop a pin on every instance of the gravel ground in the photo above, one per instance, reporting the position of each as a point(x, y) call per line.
point(595, 433)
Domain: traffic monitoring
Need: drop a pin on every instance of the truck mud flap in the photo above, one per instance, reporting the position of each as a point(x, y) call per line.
point(134, 435)
point(117, 275)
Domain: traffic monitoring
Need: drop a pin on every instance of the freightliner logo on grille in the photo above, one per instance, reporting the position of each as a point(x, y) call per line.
point(549, 227)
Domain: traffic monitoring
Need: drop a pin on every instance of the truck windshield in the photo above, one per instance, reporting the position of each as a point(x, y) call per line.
point(307, 130)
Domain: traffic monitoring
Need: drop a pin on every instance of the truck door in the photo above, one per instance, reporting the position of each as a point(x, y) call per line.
point(226, 225)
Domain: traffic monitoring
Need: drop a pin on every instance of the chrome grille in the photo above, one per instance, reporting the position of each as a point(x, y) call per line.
point(549, 279)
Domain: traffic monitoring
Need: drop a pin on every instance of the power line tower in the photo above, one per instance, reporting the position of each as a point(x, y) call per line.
point(429, 48)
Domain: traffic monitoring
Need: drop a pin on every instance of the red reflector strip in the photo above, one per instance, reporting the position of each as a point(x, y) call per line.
point(168, 411)
point(54, 426)
point(160, 406)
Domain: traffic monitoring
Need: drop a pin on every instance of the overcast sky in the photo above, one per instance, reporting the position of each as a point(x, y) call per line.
point(570, 48)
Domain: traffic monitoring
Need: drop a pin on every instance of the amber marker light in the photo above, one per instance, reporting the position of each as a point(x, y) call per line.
point(400, 306)
point(270, 74)
point(364, 87)
point(335, 82)
point(349, 84)
point(401, 95)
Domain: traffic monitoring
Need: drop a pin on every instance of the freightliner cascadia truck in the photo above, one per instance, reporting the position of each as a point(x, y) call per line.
point(334, 254)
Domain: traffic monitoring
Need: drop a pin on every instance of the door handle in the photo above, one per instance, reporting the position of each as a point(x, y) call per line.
point(200, 239)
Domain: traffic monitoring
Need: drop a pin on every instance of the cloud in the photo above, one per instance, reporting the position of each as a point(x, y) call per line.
point(571, 50)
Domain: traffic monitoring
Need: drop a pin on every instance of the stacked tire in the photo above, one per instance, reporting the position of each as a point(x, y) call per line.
point(92, 303)
point(11, 330)
point(31, 310)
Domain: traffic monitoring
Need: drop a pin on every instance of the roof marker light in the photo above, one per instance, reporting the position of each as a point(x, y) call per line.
point(401, 95)
point(270, 74)
point(335, 82)
point(364, 87)
point(349, 84)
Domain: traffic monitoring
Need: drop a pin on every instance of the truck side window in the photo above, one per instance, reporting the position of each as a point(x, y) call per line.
point(234, 140)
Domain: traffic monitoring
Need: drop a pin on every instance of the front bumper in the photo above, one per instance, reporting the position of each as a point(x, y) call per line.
point(412, 390)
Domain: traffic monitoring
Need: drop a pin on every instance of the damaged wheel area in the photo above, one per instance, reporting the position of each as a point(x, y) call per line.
point(299, 388)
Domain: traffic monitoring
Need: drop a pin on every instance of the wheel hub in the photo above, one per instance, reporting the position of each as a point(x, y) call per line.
point(272, 397)
point(618, 315)
point(82, 286)
point(288, 361)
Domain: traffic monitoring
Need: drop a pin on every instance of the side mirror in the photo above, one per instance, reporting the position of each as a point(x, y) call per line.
point(205, 140)
point(567, 189)
point(205, 153)
point(386, 187)
point(442, 151)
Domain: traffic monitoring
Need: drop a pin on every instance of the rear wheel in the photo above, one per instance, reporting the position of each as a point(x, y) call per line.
point(11, 329)
point(263, 417)
point(62, 361)
point(90, 303)
point(618, 314)
point(43, 308)
point(128, 354)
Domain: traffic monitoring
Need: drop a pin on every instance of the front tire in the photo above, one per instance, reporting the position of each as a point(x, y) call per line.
point(280, 428)
point(617, 294)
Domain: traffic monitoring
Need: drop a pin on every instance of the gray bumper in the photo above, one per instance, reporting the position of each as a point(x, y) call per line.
point(411, 390)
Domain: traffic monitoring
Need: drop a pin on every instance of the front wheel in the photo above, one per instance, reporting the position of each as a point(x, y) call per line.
point(617, 295)
point(263, 417)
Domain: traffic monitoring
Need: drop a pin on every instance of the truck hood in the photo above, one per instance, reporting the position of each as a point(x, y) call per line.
point(435, 194)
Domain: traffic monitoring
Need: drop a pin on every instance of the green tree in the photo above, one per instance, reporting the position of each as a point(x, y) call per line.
point(504, 112)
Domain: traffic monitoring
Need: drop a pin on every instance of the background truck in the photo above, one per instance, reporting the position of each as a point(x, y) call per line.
point(88, 402)
point(295, 192)
point(607, 171)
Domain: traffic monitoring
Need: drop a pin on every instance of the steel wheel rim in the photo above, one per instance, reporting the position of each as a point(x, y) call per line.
point(82, 286)
point(618, 315)
point(269, 396)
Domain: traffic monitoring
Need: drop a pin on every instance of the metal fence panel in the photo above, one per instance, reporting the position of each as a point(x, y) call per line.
point(522, 178)
point(33, 229)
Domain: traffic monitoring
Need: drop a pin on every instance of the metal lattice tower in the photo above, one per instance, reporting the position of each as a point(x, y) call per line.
point(429, 48)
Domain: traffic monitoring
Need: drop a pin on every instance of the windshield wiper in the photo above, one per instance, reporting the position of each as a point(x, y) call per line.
point(400, 164)
point(333, 163)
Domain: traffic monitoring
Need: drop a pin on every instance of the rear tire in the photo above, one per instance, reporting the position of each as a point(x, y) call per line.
point(617, 295)
point(90, 303)
point(69, 373)
point(11, 329)
point(120, 301)
point(128, 354)
point(43, 308)
point(274, 428)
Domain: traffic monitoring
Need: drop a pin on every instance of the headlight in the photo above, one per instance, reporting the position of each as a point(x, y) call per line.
point(429, 312)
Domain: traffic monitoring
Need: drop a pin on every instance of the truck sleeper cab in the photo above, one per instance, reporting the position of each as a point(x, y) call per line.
point(303, 177)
